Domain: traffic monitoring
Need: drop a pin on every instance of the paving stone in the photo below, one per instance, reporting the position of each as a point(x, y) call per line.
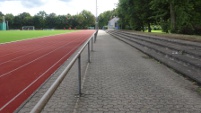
point(125, 81)
point(121, 79)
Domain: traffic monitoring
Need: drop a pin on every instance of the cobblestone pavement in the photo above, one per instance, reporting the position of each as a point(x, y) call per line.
point(120, 79)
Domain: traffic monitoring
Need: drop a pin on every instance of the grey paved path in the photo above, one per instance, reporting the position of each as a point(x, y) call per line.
point(121, 79)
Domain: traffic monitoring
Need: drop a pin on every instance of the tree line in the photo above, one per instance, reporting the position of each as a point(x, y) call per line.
point(104, 17)
point(176, 16)
point(42, 20)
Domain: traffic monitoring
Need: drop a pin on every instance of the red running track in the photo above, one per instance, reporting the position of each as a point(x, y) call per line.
point(25, 65)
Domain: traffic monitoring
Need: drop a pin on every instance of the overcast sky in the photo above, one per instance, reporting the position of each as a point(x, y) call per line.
point(60, 7)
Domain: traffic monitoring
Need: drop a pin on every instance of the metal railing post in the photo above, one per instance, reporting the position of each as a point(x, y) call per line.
point(79, 76)
point(48, 94)
point(89, 53)
point(94, 37)
point(92, 45)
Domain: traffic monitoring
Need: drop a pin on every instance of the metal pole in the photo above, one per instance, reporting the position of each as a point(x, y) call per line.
point(96, 23)
point(7, 26)
point(92, 45)
point(96, 8)
point(79, 75)
point(95, 36)
point(89, 51)
point(3, 19)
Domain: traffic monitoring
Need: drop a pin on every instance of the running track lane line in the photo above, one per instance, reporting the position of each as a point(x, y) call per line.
point(36, 80)
point(52, 66)
point(30, 52)
point(26, 54)
point(32, 44)
point(2, 75)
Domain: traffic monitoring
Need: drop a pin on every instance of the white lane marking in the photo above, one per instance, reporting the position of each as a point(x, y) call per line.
point(5, 105)
point(28, 54)
point(35, 60)
point(51, 36)
point(16, 51)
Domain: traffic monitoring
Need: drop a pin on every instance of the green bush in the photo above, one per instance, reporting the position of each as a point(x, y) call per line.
point(165, 27)
point(186, 30)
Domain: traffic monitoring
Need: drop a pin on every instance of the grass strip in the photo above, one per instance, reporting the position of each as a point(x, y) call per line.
point(13, 35)
point(194, 38)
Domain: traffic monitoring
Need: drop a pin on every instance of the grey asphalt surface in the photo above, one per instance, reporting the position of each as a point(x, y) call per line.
point(120, 79)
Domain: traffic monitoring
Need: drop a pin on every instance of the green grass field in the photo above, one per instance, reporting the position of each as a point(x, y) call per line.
point(9, 36)
point(155, 31)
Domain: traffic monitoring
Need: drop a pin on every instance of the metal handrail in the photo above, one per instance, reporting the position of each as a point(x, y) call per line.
point(45, 98)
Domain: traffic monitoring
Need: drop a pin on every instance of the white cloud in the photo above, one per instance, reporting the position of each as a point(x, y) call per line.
point(13, 7)
point(59, 7)
point(32, 3)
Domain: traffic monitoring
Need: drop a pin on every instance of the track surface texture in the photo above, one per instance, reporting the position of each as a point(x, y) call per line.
point(25, 65)
point(182, 56)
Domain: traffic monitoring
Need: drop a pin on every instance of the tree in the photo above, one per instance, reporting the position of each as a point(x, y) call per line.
point(42, 20)
point(51, 20)
point(10, 19)
point(17, 22)
point(84, 20)
point(181, 15)
point(42, 14)
point(175, 16)
point(39, 19)
point(38, 22)
point(196, 16)
point(124, 14)
point(61, 21)
point(72, 22)
point(23, 19)
point(1, 16)
point(104, 17)
point(135, 14)
point(89, 19)
point(161, 13)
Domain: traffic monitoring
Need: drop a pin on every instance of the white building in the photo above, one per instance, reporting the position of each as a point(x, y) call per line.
point(112, 24)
